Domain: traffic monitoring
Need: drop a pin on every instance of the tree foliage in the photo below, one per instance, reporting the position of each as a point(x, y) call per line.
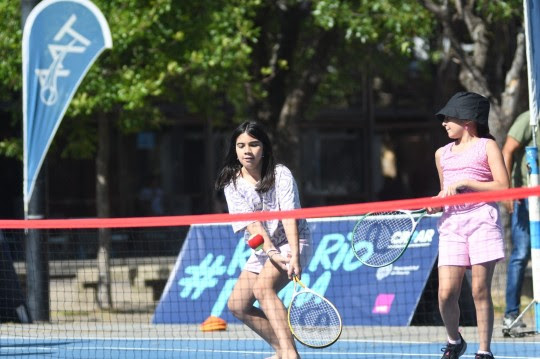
point(209, 55)
point(486, 40)
point(271, 60)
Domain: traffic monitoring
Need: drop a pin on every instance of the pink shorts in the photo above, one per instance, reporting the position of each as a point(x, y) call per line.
point(256, 261)
point(471, 237)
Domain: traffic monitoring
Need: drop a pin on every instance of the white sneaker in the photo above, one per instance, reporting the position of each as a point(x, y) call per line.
point(511, 318)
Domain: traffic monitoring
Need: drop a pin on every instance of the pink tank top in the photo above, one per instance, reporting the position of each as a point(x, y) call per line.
point(469, 164)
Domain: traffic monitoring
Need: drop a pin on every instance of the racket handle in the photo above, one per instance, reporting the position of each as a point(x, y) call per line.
point(256, 241)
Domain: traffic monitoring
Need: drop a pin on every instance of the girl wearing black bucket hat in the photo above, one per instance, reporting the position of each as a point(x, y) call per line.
point(470, 235)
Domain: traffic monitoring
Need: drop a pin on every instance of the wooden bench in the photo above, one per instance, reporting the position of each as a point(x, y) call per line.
point(88, 277)
point(154, 276)
point(142, 277)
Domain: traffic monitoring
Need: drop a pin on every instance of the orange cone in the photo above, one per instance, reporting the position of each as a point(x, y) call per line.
point(212, 324)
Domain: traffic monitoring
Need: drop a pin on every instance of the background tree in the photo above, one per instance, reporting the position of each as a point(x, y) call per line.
point(126, 87)
point(275, 61)
point(486, 40)
point(155, 45)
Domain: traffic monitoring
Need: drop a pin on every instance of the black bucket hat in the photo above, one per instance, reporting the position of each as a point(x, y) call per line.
point(466, 106)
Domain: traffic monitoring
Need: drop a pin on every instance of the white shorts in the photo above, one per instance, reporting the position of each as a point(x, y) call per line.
point(256, 261)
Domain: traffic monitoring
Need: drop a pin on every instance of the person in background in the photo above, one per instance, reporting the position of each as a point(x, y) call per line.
point(519, 136)
point(253, 182)
point(470, 235)
point(151, 198)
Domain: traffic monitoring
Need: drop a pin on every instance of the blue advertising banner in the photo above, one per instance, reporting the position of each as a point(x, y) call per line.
point(61, 40)
point(213, 256)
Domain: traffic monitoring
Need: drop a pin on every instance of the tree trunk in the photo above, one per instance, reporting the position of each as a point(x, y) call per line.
point(510, 96)
point(287, 139)
point(474, 73)
point(103, 292)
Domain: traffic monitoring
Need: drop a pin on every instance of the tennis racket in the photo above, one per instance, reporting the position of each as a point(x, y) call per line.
point(314, 320)
point(381, 238)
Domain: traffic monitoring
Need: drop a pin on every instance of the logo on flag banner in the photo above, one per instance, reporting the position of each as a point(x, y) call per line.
point(61, 40)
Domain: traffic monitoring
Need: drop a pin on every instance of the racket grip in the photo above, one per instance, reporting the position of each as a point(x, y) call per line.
point(256, 241)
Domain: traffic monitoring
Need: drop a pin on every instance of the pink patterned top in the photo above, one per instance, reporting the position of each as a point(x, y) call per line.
point(470, 164)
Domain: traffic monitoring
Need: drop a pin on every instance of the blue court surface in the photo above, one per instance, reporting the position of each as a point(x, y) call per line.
point(199, 348)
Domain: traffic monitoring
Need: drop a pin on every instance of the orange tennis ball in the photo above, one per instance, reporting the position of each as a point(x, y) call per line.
point(256, 241)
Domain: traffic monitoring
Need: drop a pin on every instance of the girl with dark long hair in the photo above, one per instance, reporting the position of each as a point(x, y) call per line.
point(253, 182)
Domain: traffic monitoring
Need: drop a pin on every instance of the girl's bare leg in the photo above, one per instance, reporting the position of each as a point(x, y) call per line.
point(482, 274)
point(268, 284)
point(264, 287)
point(450, 279)
point(240, 304)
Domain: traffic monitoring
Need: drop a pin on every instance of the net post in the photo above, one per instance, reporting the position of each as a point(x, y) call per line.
point(534, 218)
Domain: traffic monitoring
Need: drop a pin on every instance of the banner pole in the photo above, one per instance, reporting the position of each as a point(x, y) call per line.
point(61, 41)
point(37, 257)
point(532, 29)
point(534, 219)
point(36, 253)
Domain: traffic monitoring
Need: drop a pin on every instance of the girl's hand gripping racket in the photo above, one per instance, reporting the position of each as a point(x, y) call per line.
point(256, 242)
point(314, 320)
point(381, 238)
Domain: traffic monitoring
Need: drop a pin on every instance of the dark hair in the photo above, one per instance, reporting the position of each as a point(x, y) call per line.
point(482, 130)
point(231, 167)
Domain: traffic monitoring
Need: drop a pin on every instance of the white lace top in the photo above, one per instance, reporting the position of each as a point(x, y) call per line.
point(243, 198)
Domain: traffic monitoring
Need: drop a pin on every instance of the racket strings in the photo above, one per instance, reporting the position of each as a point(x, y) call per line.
point(379, 238)
point(314, 321)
